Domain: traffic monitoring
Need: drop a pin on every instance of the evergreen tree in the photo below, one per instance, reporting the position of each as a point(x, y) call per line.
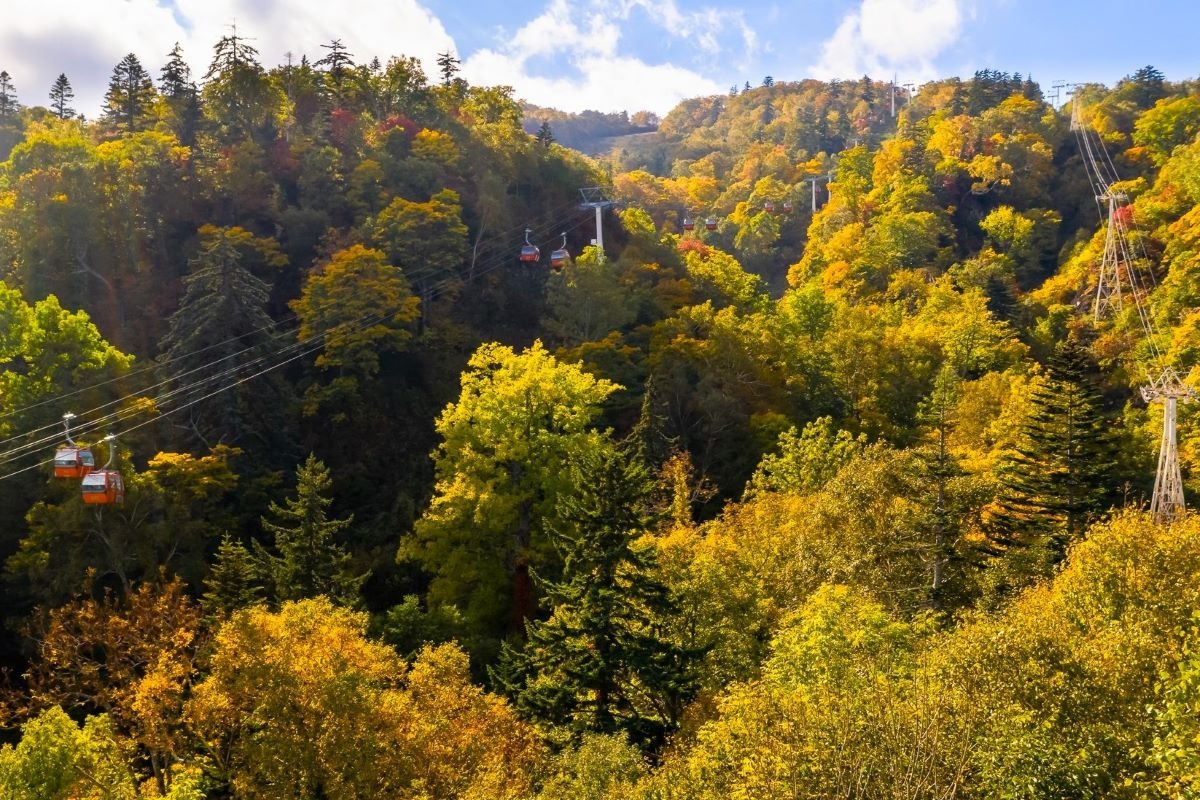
point(238, 95)
point(233, 581)
point(310, 561)
point(175, 78)
point(768, 82)
point(339, 66)
point(230, 54)
point(8, 98)
point(545, 136)
point(183, 98)
point(130, 94)
point(222, 315)
point(1062, 474)
point(10, 132)
point(61, 97)
point(447, 67)
point(940, 470)
point(603, 646)
point(1145, 87)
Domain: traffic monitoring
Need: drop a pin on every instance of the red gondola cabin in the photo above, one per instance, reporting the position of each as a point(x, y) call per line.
point(787, 206)
point(103, 487)
point(710, 224)
point(769, 207)
point(73, 462)
point(558, 259)
point(689, 224)
point(530, 253)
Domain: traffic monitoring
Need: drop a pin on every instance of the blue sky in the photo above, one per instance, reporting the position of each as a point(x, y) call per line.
point(617, 54)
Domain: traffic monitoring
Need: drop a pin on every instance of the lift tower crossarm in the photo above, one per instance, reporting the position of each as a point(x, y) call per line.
point(594, 198)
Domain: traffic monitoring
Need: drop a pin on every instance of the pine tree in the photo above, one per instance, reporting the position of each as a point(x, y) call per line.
point(1061, 476)
point(545, 136)
point(310, 561)
point(61, 96)
point(130, 94)
point(233, 581)
point(603, 645)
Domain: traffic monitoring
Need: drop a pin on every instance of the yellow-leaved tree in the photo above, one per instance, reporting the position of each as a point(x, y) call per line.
point(299, 703)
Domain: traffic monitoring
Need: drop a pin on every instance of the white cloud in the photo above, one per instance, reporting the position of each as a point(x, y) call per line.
point(590, 41)
point(86, 38)
point(587, 38)
point(886, 36)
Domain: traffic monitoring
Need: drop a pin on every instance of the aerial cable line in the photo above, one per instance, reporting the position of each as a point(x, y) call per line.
point(551, 217)
point(121, 415)
point(274, 330)
point(1164, 385)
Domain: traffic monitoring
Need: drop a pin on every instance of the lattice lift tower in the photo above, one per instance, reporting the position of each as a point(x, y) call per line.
point(1118, 275)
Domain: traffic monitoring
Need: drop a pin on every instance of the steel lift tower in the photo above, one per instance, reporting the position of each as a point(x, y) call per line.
point(1167, 502)
point(594, 198)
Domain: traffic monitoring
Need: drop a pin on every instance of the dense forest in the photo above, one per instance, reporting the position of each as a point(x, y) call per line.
point(821, 480)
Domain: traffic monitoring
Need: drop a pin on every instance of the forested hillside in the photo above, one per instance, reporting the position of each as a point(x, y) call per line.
point(763, 501)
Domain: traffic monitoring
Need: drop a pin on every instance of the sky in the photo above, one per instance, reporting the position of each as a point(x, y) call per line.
point(613, 55)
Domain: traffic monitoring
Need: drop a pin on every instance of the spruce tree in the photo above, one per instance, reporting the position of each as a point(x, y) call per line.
point(130, 95)
point(545, 136)
point(308, 560)
point(1062, 475)
point(233, 581)
point(61, 96)
point(601, 662)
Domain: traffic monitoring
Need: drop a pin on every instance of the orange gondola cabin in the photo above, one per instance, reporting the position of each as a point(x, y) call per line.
point(558, 258)
point(103, 487)
point(529, 251)
point(73, 462)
